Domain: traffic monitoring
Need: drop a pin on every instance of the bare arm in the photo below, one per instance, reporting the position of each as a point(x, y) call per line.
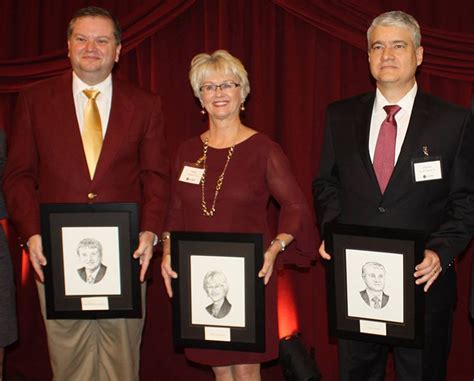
point(166, 271)
point(271, 255)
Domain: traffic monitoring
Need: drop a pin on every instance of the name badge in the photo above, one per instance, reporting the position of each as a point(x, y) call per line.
point(191, 174)
point(426, 169)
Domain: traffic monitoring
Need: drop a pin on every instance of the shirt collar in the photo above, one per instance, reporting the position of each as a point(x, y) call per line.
point(78, 85)
point(372, 293)
point(406, 103)
point(92, 273)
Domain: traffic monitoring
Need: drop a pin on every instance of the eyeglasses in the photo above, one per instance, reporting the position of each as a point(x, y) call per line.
point(224, 86)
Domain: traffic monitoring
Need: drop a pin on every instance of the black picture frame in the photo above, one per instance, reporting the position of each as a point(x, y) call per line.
point(398, 318)
point(197, 257)
point(116, 293)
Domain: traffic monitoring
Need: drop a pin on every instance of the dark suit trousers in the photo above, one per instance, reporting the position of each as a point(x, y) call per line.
point(364, 361)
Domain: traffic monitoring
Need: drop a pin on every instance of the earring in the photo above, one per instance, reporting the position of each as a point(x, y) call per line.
point(242, 107)
point(203, 111)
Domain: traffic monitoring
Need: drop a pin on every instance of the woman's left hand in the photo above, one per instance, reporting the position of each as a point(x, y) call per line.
point(144, 252)
point(278, 245)
point(268, 262)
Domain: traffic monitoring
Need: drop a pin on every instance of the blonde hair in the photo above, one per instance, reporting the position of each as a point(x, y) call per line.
point(217, 278)
point(220, 61)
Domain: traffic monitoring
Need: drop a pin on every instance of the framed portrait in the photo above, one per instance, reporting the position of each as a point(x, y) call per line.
point(218, 299)
point(91, 273)
point(372, 295)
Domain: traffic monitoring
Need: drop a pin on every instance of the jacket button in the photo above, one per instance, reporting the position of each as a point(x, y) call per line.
point(91, 196)
point(382, 209)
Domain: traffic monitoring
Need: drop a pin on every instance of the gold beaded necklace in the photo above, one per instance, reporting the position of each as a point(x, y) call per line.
point(220, 180)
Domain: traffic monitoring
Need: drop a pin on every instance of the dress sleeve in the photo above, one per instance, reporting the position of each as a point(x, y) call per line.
point(174, 216)
point(295, 214)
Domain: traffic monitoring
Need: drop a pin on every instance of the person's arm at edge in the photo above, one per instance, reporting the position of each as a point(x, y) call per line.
point(442, 246)
point(326, 186)
point(154, 177)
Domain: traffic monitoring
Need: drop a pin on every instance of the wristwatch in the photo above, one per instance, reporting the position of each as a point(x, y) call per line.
point(281, 242)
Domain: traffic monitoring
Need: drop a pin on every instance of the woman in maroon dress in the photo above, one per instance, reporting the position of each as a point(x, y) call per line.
point(243, 170)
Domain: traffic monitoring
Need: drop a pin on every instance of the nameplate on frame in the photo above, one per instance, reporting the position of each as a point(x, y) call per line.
point(217, 333)
point(95, 303)
point(373, 327)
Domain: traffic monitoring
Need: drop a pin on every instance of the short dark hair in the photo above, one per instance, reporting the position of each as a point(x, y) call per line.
point(96, 12)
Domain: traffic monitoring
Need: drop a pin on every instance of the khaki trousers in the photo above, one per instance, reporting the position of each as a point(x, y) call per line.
point(94, 350)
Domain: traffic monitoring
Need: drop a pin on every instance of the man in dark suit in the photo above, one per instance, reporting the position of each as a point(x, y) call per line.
point(373, 274)
point(471, 304)
point(400, 158)
point(86, 137)
point(89, 251)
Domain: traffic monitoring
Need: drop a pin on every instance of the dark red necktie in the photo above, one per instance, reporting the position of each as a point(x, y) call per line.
point(384, 156)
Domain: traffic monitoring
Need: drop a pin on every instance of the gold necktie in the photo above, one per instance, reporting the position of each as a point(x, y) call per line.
point(92, 133)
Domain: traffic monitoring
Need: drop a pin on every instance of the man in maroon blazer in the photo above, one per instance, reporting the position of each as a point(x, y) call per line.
point(47, 164)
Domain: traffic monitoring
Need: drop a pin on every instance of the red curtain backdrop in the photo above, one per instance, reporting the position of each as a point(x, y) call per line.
point(300, 55)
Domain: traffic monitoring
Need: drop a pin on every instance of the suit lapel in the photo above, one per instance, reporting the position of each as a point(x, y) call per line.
point(66, 123)
point(121, 113)
point(363, 117)
point(418, 122)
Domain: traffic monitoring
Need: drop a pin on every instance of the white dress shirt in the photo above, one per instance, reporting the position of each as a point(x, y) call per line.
point(402, 118)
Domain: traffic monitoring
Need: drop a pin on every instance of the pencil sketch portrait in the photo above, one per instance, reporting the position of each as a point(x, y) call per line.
point(373, 275)
point(89, 251)
point(216, 286)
